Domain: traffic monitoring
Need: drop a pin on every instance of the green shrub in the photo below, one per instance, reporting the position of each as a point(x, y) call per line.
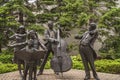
point(7, 67)
point(77, 62)
point(6, 58)
point(8, 51)
point(47, 66)
point(5, 62)
point(108, 66)
point(104, 65)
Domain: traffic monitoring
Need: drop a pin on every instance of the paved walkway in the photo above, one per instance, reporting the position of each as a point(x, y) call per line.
point(70, 75)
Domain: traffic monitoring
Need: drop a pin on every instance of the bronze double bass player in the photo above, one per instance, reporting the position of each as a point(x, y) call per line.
point(61, 61)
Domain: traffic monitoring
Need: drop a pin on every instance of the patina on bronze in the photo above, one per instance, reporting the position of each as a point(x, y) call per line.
point(87, 52)
point(31, 55)
point(50, 35)
point(19, 37)
point(61, 61)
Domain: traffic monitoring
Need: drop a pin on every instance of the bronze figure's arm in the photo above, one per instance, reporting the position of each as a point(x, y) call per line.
point(13, 37)
point(18, 44)
point(48, 38)
point(21, 35)
point(46, 35)
point(42, 46)
point(95, 37)
point(78, 36)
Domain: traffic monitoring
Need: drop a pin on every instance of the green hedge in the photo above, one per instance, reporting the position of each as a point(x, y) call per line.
point(104, 65)
point(108, 66)
point(7, 67)
point(6, 58)
point(77, 62)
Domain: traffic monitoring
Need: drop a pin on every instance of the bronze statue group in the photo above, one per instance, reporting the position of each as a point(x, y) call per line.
point(28, 53)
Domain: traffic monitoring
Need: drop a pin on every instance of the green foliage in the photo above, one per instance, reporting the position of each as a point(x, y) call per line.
point(72, 13)
point(48, 2)
point(37, 28)
point(111, 19)
point(71, 47)
point(6, 20)
point(110, 23)
point(6, 56)
point(5, 62)
point(65, 19)
point(7, 17)
point(104, 65)
point(108, 66)
point(47, 66)
point(77, 62)
point(17, 5)
point(82, 19)
point(45, 17)
point(7, 67)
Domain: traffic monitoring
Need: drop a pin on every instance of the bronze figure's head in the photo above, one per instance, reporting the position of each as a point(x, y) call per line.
point(92, 26)
point(21, 30)
point(50, 25)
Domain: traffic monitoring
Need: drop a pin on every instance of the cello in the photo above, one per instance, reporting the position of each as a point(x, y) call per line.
point(61, 61)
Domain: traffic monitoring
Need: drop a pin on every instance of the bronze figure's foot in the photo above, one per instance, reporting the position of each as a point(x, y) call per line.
point(34, 78)
point(39, 73)
point(57, 73)
point(96, 77)
point(87, 78)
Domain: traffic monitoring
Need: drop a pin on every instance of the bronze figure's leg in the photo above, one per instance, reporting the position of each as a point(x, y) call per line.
point(89, 54)
point(30, 72)
point(35, 70)
point(91, 62)
point(19, 68)
point(85, 63)
point(20, 63)
point(25, 71)
point(43, 63)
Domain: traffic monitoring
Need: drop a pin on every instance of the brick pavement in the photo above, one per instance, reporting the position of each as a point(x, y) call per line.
point(70, 75)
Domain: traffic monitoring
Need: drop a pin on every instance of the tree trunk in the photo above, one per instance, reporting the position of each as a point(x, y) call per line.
point(21, 18)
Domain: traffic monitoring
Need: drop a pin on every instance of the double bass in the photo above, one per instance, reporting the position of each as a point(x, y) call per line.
point(61, 61)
